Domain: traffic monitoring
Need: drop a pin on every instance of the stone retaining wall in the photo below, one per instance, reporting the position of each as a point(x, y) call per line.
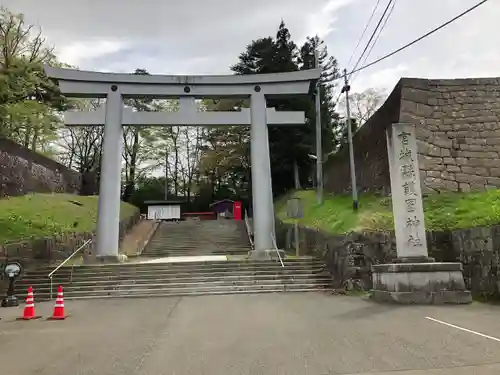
point(370, 153)
point(458, 132)
point(351, 256)
point(23, 171)
point(53, 249)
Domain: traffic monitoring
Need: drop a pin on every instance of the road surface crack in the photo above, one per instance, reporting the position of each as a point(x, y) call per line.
point(153, 343)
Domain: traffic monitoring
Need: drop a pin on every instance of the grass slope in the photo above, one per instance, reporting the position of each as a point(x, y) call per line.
point(445, 211)
point(42, 215)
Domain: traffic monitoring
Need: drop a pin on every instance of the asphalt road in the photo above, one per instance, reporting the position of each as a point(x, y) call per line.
point(308, 333)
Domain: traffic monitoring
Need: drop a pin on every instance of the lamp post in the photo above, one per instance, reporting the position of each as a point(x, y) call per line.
point(12, 270)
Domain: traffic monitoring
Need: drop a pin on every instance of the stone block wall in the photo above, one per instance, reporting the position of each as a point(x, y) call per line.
point(458, 122)
point(350, 256)
point(370, 153)
point(23, 171)
point(458, 135)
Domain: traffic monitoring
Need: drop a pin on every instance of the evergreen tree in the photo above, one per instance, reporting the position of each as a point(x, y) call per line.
point(330, 73)
point(292, 144)
point(257, 59)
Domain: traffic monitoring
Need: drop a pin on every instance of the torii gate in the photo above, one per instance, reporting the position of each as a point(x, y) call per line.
point(116, 87)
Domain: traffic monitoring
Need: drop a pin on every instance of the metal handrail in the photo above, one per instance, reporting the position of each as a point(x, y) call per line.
point(50, 275)
point(247, 224)
point(277, 250)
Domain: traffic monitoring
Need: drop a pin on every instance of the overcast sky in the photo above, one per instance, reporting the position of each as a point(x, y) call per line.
point(206, 36)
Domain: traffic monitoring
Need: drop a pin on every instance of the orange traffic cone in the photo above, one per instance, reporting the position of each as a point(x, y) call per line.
point(29, 309)
point(59, 307)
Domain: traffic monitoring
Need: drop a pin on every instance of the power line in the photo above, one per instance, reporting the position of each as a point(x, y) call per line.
point(373, 34)
point(376, 38)
point(416, 40)
point(410, 44)
point(364, 31)
point(357, 45)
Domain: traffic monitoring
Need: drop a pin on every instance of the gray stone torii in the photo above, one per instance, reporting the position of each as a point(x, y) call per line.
point(116, 87)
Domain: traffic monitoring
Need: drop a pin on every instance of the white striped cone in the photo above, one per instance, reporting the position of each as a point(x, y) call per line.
point(29, 309)
point(59, 306)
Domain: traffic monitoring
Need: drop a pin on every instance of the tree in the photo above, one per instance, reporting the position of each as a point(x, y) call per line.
point(364, 104)
point(225, 159)
point(27, 97)
point(148, 188)
point(257, 59)
point(329, 75)
point(292, 145)
point(166, 150)
point(341, 132)
point(191, 138)
point(31, 124)
point(143, 145)
point(80, 147)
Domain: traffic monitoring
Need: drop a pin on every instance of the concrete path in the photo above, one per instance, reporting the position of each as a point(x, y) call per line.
point(308, 333)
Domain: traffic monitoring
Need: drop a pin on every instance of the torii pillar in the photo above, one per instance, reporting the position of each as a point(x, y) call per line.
point(262, 187)
point(108, 219)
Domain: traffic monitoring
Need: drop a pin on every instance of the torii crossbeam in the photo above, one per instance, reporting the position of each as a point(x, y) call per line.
point(188, 115)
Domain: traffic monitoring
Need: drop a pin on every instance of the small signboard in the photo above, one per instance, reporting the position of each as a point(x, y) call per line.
point(295, 208)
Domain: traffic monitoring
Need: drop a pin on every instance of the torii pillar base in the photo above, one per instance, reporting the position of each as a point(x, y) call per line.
point(271, 254)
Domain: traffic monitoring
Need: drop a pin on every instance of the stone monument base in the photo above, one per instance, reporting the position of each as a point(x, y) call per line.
point(266, 254)
point(420, 259)
point(419, 283)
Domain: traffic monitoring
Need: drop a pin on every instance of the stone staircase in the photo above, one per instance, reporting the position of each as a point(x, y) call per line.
point(178, 279)
point(207, 237)
point(151, 276)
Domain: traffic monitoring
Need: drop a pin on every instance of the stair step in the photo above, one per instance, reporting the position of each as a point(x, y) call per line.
point(129, 287)
point(191, 294)
point(117, 281)
point(182, 290)
point(147, 274)
point(153, 279)
point(183, 280)
point(178, 267)
point(184, 275)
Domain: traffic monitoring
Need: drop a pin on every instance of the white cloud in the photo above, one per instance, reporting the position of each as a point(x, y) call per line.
point(206, 37)
point(466, 48)
point(76, 53)
point(381, 77)
point(322, 21)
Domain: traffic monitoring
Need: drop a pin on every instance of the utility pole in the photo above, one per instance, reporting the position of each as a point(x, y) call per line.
point(166, 176)
point(319, 151)
point(354, 188)
point(296, 177)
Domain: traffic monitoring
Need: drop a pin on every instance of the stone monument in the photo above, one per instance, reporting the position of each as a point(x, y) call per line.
point(413, 277)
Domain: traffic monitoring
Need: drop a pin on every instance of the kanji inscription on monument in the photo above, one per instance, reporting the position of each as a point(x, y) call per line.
point(406, 193)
